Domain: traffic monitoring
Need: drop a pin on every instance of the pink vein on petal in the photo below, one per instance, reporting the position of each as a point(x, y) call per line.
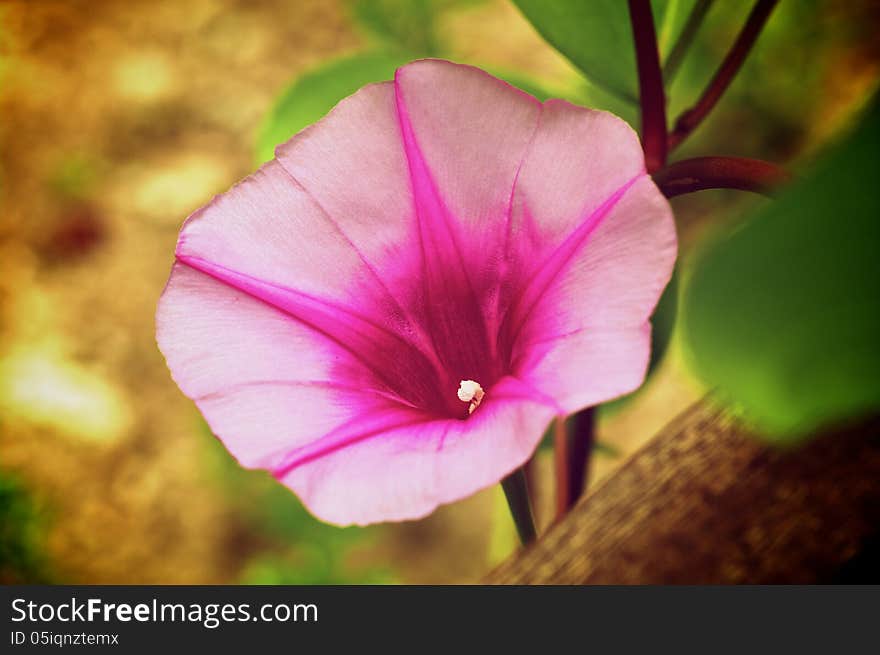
point(561, 255)
point(316, 384)
point(320, 315)
point(442, 258)
point(345, 435)
point(494, 322)
point(426, 347)
point(432, 214)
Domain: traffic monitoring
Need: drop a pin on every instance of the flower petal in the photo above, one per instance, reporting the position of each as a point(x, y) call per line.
point(268, 238)
point(353, 167)
point(603, 238)
point(268, 228)
point(577, 160)
point(265, 383)
point(322, 313)
point(588, 366)
point(597, 306)
point(406, 472)
point(472, 130)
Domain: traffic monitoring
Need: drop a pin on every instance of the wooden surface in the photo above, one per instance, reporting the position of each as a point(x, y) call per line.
point(704, 502)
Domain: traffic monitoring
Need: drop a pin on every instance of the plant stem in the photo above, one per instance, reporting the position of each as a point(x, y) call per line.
point(685, 39)
point(651, 97)
point(573, 448)
point(517, 493)
point(699, 173)
point(530, 470)
point(690, 119)
point(561, 457)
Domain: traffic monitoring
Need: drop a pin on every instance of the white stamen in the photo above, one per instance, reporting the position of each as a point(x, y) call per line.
point(470, 392)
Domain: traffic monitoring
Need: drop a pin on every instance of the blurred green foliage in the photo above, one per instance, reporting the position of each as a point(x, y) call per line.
point(782, 315)
point(74, 176)
point(404, 24)
point(774, 93)
point(21, 534)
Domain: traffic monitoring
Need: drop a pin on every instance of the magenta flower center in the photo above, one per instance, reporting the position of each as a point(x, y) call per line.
point(449, 340)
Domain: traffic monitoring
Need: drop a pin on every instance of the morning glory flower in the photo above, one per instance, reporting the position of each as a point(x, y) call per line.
point(388, 314)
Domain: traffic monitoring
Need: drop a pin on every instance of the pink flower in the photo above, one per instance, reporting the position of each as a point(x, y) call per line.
point(388, 314)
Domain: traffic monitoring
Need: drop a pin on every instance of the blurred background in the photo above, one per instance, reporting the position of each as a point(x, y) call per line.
point(120, 117)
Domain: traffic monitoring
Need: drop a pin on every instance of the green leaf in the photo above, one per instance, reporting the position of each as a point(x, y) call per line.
point(596, 36)
point(408, 24)
point(782, 316)
point(312, 95)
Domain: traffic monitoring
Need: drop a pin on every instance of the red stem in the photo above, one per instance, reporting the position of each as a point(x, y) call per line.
point(690, 119)
point(573, 447)
point(701, 173)
point(530, 470)
point(561, 466)
point(516, 491)
point(651, 96)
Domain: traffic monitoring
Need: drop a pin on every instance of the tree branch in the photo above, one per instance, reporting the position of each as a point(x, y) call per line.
point(699, 173)
point(651, 96)
point(691, 118)
point(706, 502)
